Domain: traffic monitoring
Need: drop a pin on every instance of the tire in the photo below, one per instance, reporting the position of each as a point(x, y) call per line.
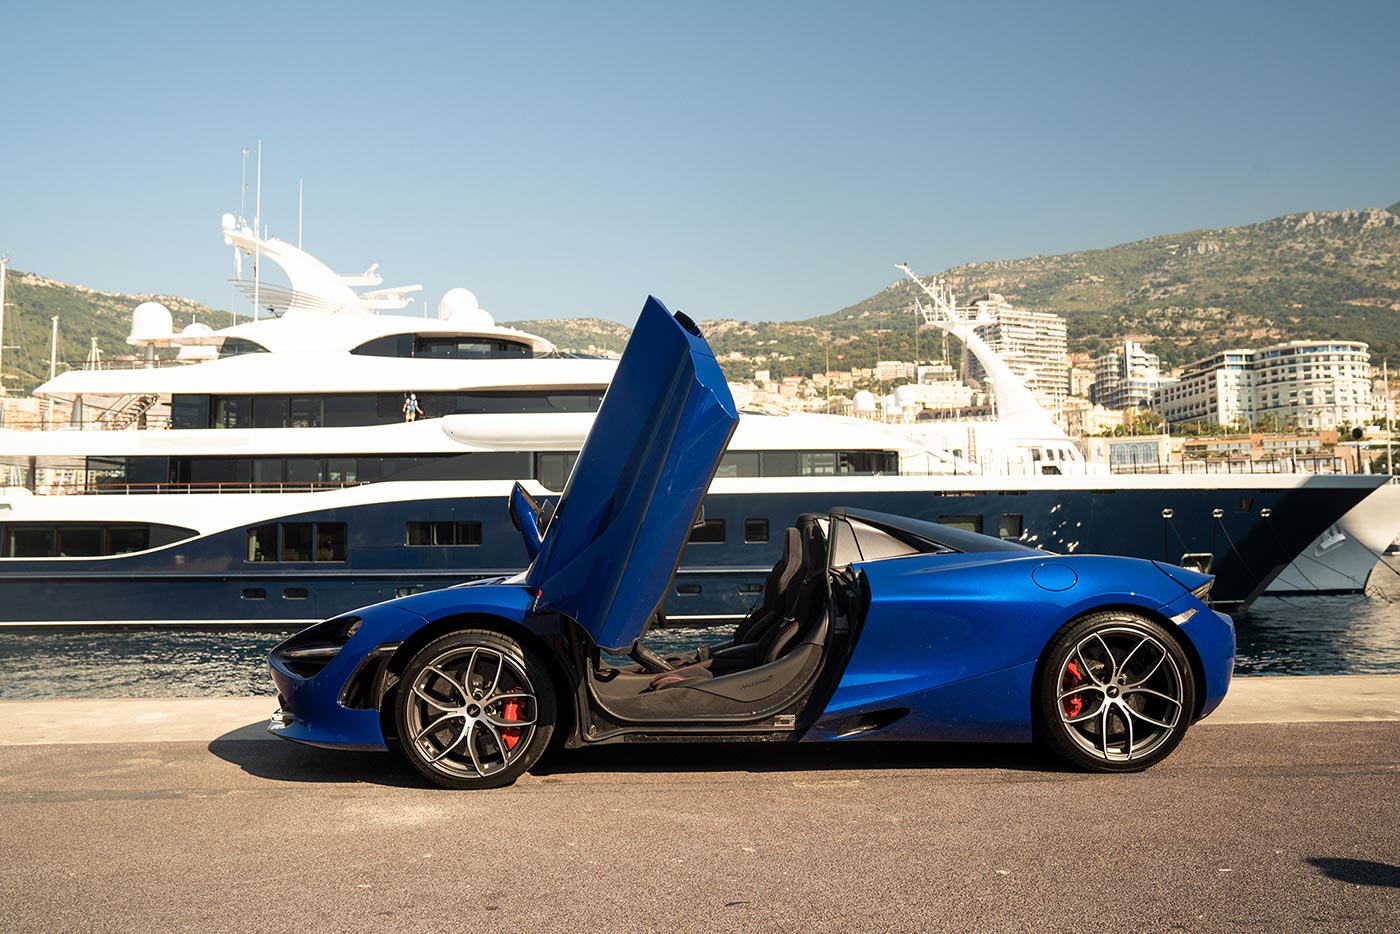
point(1116, 693)
point(454, 706)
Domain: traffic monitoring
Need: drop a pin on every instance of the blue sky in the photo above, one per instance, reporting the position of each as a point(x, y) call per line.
point(750, 160)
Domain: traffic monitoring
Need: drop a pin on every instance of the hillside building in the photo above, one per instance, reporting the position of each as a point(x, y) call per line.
point(1309, 385)
point(1127, 378)
point(1031, 342)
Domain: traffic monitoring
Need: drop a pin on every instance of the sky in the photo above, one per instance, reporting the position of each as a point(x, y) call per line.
point(763, 161)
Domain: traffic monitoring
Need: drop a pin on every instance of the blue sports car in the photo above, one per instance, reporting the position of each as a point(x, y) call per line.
point(870, 626)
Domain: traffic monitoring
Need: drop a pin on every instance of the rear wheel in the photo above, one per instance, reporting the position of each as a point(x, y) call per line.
point(1116, 693)
point(474, 709)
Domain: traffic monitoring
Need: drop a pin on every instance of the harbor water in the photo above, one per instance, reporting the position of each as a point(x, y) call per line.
point(1277, 636)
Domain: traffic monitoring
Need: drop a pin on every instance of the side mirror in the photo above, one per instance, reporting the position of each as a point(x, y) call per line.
point(526, 516)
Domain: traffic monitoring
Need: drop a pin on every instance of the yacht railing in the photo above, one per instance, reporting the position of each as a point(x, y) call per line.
point(1321, 464)
point(135, 489)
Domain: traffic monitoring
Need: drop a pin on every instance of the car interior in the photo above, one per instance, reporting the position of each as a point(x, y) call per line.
point(796, 637)
point(770, 659)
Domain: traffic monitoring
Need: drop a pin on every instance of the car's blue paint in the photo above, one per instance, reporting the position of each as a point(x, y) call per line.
point(526, 520)
point(617, 533)
point(319, 717)
point(1212, 635)
point(955, 638)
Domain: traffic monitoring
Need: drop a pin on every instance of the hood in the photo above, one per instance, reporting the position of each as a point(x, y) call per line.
point(613, 543)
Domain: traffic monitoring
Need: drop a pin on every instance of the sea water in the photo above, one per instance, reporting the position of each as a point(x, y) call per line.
point(1277, 635)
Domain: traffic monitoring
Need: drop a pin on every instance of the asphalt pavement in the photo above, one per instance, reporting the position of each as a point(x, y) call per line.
point(1261, 826)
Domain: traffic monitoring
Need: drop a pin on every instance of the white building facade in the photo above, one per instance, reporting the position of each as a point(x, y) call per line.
point(1033, 344)
point(1309, 385)
point(1127, 378)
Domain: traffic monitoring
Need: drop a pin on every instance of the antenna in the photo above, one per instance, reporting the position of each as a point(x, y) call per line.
point(243, 188)
point(257, 236)
point(299, 192)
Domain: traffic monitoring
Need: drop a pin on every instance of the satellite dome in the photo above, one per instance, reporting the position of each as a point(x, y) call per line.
point(460, 305)
point(863, 402)
point(150, 322)
point(196, 353)
point(227, 222)
point(906, 397)
point(889, 403)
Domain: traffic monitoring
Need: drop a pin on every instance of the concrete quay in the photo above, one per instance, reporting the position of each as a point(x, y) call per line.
point(1278, 813)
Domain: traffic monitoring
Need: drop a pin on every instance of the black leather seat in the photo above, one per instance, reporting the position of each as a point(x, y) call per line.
point(765, 637)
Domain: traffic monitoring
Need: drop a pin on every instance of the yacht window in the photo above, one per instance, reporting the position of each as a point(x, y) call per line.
point(391, 345)
point(442, 533)
point(303, 469)
point(966, 523)
point(687, 590)
point(779, 464)
point(123, 540)
point(189, 411)
point(755, 531)
point(330, 541)
point(710, 532)
point(552, 469)
point(238, 346)
point(738, 464)
point(106, 471)
point(297, 541)
point(262, 543)
point(340, 469)
point(220, 470)
point(269, 411)
point(1012, 525)
point(233, 412)
point(469, 348)
point(817, 463)
point(267, 471)
point(350, 411)
point(64, 540)
point(29, 543)
point(305, 412)
point(80, 541)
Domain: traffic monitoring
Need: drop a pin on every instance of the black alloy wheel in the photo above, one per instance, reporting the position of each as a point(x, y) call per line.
point(1116, 693)
point(474, 709)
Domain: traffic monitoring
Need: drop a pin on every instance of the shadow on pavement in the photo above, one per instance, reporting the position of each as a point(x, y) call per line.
point(252, 750)
point(291, 762)
point(794, 757)
point(1358, 871)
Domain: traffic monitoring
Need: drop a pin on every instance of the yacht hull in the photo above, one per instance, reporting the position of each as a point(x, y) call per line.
point(1249, 529)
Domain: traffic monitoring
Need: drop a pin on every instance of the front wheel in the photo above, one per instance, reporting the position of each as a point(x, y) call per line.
point(1116, 693)
point(474, 709)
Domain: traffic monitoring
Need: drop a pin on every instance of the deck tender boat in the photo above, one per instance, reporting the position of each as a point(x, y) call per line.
point(268, 475)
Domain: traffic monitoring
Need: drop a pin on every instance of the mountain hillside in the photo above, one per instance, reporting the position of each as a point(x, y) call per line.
point(1319, 274)
point(1333, 274)
point(31, 301)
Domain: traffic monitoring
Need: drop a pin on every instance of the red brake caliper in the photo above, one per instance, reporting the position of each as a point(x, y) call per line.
point(510, 710)
point(1073, 705)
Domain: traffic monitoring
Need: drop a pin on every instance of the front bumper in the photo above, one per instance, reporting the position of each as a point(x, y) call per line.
point(336, 706)
point(1212, 634)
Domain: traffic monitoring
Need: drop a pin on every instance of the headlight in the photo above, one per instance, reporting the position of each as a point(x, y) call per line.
point(312, 649)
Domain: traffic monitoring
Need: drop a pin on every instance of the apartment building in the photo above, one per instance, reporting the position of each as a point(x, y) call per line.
point(1310, 385)
point(1031, 342)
